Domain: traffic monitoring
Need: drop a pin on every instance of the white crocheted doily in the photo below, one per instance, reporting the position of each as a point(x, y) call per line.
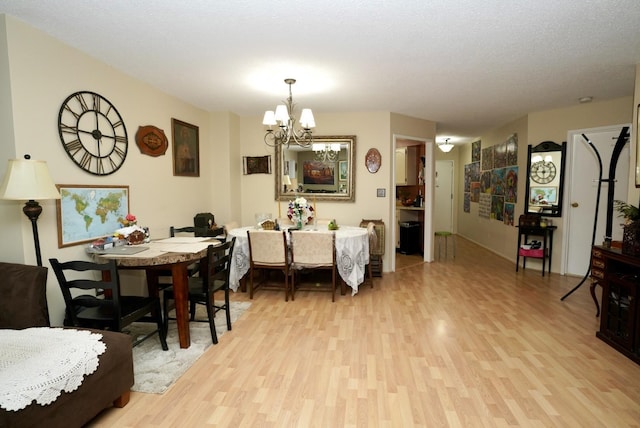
point(37, 364)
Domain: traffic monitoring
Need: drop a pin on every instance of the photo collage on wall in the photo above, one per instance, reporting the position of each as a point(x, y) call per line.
point(491, 180)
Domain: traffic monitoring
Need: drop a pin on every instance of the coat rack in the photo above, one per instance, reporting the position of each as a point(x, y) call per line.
point(622, 140)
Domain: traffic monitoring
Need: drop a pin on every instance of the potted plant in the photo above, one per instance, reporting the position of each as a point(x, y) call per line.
point(630, 228)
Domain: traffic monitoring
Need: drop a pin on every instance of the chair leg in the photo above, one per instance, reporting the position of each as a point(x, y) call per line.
point(251, 284)
point(192, 310)
point(212, 324)
point(333, 284)
point(227, 307)
point(161, 326)
point(165, 314)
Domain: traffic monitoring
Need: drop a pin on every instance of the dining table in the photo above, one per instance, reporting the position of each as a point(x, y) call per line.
point(352, 254)
point(160, 257)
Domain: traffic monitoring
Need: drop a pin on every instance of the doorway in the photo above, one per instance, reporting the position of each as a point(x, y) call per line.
point(425, 214)
point(443, 216)
point(582, 191)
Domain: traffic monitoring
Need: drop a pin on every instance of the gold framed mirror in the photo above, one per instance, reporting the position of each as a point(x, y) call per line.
point(325, 170)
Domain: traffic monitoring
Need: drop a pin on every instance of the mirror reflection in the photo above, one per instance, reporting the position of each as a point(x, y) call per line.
point(545, 172)
point(324, 170)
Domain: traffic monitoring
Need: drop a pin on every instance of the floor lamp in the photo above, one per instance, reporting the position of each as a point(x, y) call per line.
point(28, 180)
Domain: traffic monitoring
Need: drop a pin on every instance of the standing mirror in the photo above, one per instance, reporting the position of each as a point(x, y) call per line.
point(325, 170)
point(545, 179)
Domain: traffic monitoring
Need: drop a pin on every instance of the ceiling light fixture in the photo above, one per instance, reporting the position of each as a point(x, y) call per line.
point(285, 119)
point(446, 147)
point(326, 152)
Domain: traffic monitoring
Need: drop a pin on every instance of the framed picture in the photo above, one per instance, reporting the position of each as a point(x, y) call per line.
point(544, 195)
point(256, 165)
point(317, 172)
point(86, 213)
point(343, 170)
point(186, 149)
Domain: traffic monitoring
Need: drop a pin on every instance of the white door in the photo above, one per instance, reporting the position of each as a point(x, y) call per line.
point(580, 204)
point(443, 209)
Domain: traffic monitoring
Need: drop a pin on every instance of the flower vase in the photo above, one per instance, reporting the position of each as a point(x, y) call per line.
point(299, 224)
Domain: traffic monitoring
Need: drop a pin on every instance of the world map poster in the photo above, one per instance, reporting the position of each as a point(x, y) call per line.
point(86, 213)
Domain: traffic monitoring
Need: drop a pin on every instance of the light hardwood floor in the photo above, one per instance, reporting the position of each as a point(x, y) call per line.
point(462, 343)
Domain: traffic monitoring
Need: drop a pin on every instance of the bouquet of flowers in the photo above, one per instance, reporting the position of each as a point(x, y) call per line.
point(129, 220)
point(300, 212)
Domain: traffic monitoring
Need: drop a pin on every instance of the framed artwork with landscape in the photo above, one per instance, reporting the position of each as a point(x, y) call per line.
point(186, 149)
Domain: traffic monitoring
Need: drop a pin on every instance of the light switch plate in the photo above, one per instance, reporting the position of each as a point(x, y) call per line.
point(382, 193)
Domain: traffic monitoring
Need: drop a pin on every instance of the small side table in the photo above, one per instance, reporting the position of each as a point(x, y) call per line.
point(546, 251)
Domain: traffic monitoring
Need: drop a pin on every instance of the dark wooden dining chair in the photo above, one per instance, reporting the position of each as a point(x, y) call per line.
point(110, 311)
point(187, 229)
point(312, 250)
point(268, 251)
point(214, 277)
point(193, 268)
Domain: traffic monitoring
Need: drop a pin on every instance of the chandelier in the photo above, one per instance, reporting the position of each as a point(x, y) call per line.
point(285, 119)
point(446, 147)
point(326, 152)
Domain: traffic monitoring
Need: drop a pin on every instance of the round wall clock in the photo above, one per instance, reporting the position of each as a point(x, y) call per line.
point(543, 172)
point(372, 160)
point(92, 133)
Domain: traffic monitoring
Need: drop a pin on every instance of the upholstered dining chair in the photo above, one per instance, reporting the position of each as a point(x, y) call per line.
point(214, 278)
point(313, 250)
point(373, 243)
point(376, 246)
point(110, 311)
point(268, 250)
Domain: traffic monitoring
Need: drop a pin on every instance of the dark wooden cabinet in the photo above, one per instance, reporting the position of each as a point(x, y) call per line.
point(619, 275)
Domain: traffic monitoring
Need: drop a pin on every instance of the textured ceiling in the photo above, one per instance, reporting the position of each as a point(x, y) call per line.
point(469, 65)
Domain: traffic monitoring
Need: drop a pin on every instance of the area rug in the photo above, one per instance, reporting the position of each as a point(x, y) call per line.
point(156, 370)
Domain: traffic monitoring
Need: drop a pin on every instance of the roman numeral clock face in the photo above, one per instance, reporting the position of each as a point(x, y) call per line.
point(92, 133)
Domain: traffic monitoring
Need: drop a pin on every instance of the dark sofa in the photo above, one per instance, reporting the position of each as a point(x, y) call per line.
point(23, 304)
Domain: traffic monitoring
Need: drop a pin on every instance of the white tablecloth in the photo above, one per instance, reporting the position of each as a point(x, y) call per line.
point(352, 255)
point(37, 364)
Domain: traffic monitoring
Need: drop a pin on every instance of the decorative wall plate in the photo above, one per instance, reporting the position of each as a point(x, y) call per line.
point(373, 160)
point(151, 140)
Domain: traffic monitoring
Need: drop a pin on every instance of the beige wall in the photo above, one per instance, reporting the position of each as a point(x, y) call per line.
point(536, 127)
point(39, 72)
point(493, 234)
point(42, 72)
point(372, 130)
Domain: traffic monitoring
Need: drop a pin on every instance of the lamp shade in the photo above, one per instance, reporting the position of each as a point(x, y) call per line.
point(28, 179)
point(269, 118)
point(286, 180)
point(445, 147)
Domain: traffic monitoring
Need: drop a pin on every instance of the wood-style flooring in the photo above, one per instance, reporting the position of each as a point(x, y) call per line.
point(465, 342)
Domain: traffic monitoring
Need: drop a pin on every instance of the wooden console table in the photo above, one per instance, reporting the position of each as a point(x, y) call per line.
point(619, 275)
point(546, 250)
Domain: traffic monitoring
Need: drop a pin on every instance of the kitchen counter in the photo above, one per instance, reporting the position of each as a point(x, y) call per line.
point(402, 207)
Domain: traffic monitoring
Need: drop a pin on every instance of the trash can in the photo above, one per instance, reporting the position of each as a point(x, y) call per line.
point(409, 237)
